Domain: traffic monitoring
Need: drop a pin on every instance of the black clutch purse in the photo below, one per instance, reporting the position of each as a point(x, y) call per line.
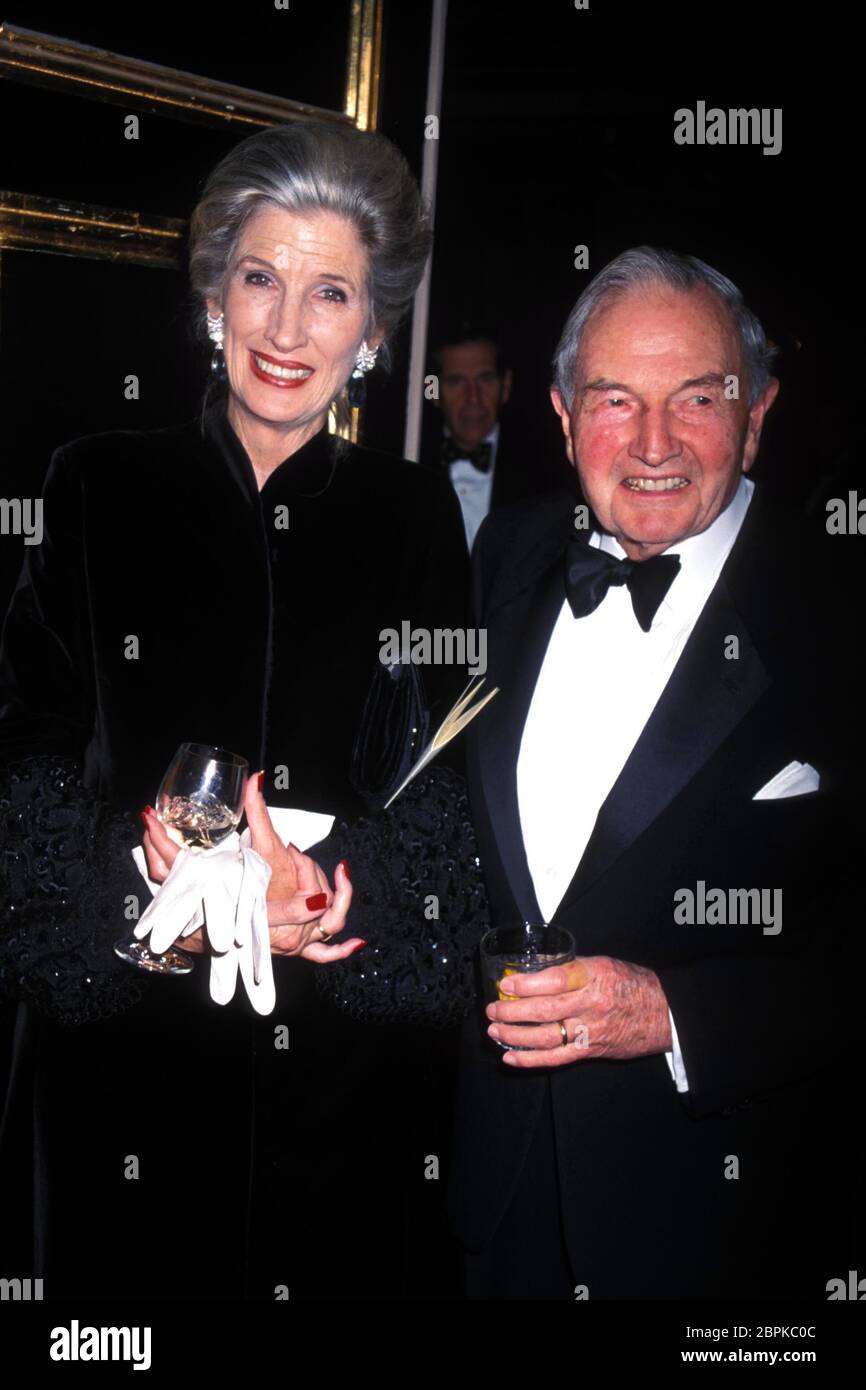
point(394, 728)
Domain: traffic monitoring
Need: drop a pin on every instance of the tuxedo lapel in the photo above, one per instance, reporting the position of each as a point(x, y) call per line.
point(704, 700)
point(518, 634)
point(706, 697)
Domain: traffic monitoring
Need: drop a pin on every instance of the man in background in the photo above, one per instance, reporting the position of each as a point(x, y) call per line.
point(480, 444)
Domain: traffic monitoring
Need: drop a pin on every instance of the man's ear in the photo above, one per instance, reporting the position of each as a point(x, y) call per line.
point(565, 420)
point(507, 382)
point(757, 415)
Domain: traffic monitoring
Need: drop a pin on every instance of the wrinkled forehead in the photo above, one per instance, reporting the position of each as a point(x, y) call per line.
point(317, 238)
point(653, 326)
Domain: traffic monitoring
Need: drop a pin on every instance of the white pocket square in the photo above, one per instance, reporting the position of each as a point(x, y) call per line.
point(794, 780)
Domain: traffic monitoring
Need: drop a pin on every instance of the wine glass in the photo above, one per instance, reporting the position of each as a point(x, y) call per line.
point(200, 802)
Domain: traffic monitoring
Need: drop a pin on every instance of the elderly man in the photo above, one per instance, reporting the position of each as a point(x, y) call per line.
point(667, 737)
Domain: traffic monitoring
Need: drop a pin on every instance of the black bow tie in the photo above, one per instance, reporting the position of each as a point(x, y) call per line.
point(480, 456)
point(589, 574)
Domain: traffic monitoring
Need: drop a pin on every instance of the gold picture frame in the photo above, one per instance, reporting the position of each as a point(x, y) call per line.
point(33, 223)
point(29, 223)
point(62, 227)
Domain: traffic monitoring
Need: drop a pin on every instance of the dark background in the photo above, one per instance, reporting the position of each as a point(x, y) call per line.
point(557, 130)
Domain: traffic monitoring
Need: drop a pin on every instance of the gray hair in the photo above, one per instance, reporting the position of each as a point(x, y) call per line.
point(647, 265)
point(312, 166)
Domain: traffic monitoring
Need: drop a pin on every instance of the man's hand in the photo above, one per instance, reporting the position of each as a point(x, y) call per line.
point(610, 1008)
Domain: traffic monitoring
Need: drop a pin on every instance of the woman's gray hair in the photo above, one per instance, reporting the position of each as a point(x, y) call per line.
point(647, 265)
point(312, 166)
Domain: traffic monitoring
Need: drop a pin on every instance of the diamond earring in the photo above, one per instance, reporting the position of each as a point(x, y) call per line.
point(215, 331)
point(365, 361)
point(215, 328)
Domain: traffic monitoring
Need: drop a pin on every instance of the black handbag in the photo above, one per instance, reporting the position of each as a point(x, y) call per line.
point(394, 728)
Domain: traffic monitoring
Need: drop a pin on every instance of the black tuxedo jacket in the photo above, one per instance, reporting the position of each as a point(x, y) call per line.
point(650, 1206)
point(522, 470)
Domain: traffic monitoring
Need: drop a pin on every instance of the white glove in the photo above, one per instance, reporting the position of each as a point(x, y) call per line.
point(224, 889)
point(251, 943)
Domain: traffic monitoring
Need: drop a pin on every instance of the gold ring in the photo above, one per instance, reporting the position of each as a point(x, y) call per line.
point(326, 936)
point(564, 1031)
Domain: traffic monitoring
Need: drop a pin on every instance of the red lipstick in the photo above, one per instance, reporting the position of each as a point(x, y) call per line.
point(280, 382)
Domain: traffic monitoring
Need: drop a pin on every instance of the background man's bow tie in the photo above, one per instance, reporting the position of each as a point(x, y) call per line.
point(589, 574)
point(479, 456)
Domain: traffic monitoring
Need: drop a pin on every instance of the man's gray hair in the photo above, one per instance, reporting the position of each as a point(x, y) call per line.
point(648, 265)
point(312, 166)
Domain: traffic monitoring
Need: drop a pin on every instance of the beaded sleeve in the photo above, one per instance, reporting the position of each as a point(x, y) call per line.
point(68, 882)
point(418, 898)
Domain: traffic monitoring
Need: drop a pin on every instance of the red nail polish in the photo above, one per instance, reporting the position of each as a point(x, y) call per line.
point(360, 946)
point(142, 815)
point(317, 902)
point(344, 865)
point(261, 780)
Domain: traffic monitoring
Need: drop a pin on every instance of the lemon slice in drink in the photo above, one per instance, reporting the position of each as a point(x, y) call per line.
point(509, 970)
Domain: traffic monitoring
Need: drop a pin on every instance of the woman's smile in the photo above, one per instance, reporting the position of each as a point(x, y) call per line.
point(279, 372)
point(298, 283)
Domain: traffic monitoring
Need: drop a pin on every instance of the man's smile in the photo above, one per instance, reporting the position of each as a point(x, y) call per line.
point(674, 483)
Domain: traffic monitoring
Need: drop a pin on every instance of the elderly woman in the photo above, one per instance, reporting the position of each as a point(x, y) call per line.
point(224, 581)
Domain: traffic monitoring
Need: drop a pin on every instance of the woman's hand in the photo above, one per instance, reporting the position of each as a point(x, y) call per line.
point(302, 909)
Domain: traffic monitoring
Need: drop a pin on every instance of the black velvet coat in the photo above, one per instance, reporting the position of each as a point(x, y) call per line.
point(170, 600)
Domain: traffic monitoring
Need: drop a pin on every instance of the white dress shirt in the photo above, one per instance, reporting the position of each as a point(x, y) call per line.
point(474, 488)
point(599, 682)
